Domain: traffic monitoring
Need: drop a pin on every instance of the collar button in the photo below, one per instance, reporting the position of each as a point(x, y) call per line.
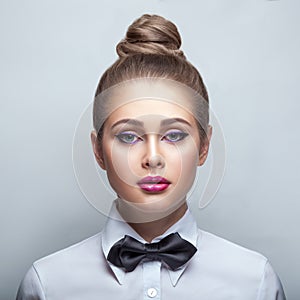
point(152, 292)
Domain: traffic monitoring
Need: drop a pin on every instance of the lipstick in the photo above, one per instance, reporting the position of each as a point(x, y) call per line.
point(153, 183)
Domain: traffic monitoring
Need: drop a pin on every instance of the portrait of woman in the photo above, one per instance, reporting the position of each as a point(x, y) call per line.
point(151, 133)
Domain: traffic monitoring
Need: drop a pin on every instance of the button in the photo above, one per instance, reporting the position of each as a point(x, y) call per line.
point(152, 292)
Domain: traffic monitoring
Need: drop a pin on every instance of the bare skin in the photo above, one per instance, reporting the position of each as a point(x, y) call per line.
point(150, 149)
point(148, 231)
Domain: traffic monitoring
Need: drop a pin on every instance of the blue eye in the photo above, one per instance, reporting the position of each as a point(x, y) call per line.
point(175, 136)
point(127, 138)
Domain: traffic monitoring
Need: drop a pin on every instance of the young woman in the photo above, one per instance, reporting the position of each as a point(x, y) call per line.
point(151, 133)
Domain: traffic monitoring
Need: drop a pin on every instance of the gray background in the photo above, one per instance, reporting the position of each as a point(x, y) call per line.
point(52, 54)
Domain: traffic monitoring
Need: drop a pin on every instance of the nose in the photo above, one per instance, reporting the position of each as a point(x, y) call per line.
point(152, 158)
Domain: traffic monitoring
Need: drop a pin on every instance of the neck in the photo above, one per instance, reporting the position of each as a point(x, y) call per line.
point(149, 230)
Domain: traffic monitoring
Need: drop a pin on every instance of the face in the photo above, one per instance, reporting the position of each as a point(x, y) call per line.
point(150, 149)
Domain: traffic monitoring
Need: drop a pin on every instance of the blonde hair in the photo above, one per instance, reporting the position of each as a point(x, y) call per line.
point(151, 48)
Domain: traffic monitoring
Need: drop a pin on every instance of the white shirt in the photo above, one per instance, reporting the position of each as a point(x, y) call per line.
point(219, 270)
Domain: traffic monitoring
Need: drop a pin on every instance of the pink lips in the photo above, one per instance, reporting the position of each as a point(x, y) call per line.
point(153, 183)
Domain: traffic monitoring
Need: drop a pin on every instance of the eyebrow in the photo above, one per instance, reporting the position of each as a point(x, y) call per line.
point(129, 121)
point(164, 122)
point(174, 120)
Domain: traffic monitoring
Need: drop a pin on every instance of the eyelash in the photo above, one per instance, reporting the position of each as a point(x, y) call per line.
point(121, 137)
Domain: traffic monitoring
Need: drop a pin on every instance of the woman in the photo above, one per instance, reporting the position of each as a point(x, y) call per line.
point(151, 132)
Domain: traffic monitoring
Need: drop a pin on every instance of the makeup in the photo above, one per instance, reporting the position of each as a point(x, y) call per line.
point(153, 184)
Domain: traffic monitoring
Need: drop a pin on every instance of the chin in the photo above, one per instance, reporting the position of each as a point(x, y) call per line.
point(148, 211)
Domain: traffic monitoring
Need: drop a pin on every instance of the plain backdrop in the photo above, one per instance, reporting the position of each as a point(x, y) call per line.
point(51, 56)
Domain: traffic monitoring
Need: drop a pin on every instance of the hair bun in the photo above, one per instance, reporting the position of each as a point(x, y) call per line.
point(151, 34)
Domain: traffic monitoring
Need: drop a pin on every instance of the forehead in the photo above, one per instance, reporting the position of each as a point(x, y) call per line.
point(149, 109)
point(149, 100)
point(154, 88)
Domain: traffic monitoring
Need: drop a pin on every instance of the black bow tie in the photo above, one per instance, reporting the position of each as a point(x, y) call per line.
point(172, 250)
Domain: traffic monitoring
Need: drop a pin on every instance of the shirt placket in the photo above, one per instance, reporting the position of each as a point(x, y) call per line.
point(151, 279)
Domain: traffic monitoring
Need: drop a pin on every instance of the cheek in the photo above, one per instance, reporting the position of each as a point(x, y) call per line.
point(187, 152)
point(123, 162)
point(188, 163)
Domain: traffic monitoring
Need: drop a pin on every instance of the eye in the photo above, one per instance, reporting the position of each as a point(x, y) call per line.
point(127, 137)
point(175, 136)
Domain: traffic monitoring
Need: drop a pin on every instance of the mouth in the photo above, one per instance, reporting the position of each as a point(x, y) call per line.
point(154, 183)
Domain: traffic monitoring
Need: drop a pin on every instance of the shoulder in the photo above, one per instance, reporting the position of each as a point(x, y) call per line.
point(82, 250)
point(69, 265)
point(30, 287)
point(60, 271)
point(240, 272)
point(226, 248)
point(230, 258)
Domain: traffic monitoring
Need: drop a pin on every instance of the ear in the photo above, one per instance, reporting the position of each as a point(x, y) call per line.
point(204, 148)
point(97, 149)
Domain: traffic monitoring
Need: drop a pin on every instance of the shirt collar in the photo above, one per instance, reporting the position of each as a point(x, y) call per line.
point(116, 228)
